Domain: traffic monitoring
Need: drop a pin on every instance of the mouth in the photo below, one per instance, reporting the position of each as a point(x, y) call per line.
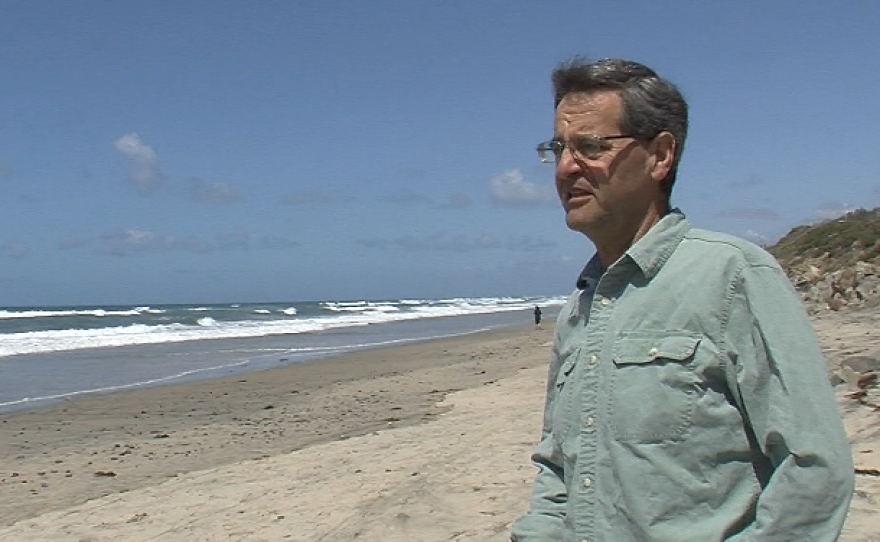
point(575, 197)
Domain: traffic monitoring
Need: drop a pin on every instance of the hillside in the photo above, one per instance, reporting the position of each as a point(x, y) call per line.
point(835, 264)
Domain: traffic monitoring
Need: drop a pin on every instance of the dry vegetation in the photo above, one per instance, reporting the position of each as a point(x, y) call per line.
point(835, 265)
point(846, 240)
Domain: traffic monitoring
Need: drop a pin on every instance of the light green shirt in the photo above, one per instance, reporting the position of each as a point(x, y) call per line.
point(688, 400)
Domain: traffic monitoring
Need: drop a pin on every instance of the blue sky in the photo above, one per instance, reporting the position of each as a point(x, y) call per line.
point(219, 151)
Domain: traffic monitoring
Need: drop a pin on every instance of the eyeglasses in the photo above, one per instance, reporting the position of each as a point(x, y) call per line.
point(584, 147)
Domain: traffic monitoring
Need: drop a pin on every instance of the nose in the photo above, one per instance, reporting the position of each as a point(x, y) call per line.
point(568, 165)
point(568, 170)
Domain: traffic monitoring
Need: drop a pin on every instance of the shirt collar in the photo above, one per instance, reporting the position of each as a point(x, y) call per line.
point(649, 253)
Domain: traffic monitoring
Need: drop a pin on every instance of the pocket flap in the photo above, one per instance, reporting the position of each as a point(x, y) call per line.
point(564, 371)
point(640, 347)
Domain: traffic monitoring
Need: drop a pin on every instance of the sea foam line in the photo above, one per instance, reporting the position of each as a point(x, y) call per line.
point(8, 315)
point(208, 328)
point(327, 351)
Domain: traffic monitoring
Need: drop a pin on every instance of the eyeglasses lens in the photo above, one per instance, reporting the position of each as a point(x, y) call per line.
point(549, 151)
point(583, 147)
point(588, 147)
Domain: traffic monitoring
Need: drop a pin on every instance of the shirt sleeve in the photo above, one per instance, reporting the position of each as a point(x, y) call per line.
point(544, 520)
point(787, 402)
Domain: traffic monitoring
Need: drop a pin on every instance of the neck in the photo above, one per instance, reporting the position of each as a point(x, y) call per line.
point(611, 249)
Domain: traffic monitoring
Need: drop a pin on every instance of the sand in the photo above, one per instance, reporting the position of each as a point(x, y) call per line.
point(424, 442)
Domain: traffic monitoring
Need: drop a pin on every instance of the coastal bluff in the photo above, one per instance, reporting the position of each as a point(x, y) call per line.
point(835, 264)
point(835, 267)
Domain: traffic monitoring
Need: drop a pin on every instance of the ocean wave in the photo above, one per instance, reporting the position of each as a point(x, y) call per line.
point(216, 325)
point(41, 313)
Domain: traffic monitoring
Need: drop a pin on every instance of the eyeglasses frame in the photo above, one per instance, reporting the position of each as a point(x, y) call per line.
point(558, 146)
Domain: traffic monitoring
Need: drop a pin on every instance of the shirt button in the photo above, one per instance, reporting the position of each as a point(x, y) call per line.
point(588, 421)
point(653, 352)
point(593, 359)
point(587, 482)
point(605, 301)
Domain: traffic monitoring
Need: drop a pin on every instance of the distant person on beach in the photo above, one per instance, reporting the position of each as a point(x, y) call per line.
point(537, 315)
point(688, 399)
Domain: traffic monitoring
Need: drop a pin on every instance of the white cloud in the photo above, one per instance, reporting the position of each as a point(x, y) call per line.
point(276, 243)
point(750, 213)
point(446, 241)
point(128, 241)
point(306, 197)
point(212, 194)
point(413, 173)
point(456, 242)
point(14, 249)
point(73, 242)
point(373, 243)
point(756, 237)
point(145, 174)
point(456, 201)
point(528, 243)
point(406, 196)
point(511, 189)
point(749, 182)
point(233, 240)
point(833, 209)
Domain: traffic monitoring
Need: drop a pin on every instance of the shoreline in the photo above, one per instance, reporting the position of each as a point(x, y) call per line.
point(40, 380)
point(72, 452)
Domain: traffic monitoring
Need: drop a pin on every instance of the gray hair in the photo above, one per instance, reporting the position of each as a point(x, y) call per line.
point(651, 104)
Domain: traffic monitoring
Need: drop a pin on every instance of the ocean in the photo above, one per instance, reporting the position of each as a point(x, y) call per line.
point(55, 354)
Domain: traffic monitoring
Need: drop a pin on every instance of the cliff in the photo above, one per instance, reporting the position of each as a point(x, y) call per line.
point(834, 265)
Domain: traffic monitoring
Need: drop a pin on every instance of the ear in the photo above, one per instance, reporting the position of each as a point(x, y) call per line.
point(662, 155)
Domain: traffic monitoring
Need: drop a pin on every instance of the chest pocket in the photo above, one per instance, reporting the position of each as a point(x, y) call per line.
point(653, 386)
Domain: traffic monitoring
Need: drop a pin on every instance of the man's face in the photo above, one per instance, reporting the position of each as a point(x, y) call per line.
point(606, 195)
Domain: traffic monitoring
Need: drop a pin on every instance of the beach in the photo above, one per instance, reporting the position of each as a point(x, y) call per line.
point(427, 441)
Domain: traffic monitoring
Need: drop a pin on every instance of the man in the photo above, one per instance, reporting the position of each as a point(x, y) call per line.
point(688, 398)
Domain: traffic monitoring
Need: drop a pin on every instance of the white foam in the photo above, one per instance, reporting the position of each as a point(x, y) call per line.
point(6, 314)
point(340, 314)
